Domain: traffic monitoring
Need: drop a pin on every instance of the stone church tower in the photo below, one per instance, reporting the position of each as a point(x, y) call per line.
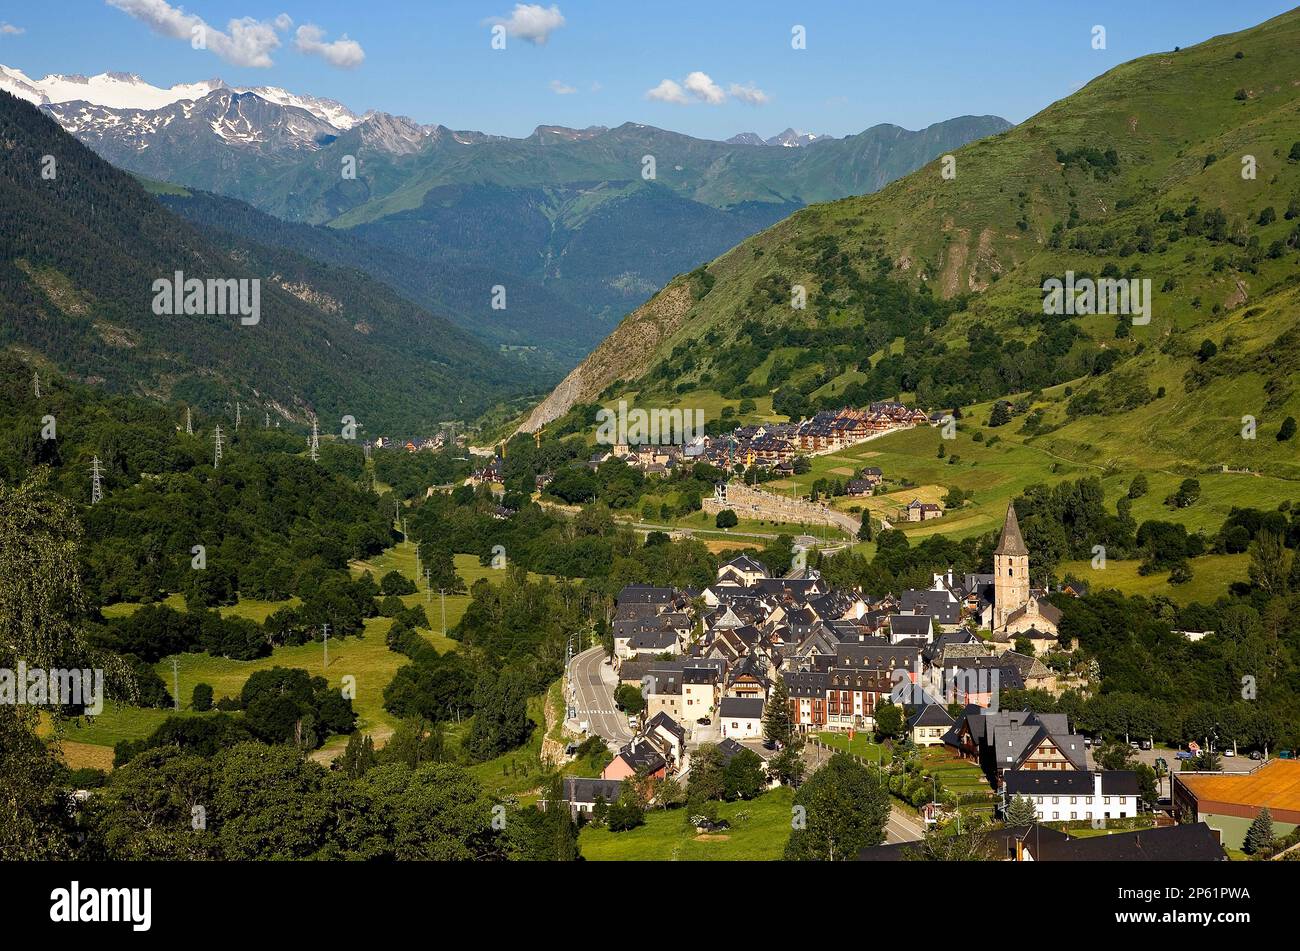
point(1010, 571)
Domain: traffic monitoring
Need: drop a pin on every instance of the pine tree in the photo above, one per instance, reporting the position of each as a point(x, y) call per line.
point(1260, 837)
point(778, 726)
point(1021, 811)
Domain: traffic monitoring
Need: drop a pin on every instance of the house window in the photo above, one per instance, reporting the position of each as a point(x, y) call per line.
point(1040, 800)
point(1106, 800)
point(1074, 815)
point(1055, 800)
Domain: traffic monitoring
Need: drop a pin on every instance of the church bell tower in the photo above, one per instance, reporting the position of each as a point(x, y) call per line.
point(1010, 571)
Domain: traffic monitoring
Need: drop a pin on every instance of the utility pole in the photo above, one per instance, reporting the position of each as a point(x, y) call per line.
point(325, 630)
point(443, 592)
point(96, 490)
point(428, 587)
point(176, 685)
point(216, 459)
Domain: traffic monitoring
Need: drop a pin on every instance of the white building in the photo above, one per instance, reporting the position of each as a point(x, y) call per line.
point(741, 717)
point(1076, 795)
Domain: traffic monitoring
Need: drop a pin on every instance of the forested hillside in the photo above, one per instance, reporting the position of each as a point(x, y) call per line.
point(83, 244)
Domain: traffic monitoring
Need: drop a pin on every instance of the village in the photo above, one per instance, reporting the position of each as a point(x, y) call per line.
point(709, 664)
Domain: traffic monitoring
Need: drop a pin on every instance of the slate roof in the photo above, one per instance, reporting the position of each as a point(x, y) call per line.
point(1064, 782)
point(729, 748)
point(653, 641)
point(806, 683)
point(910, 625)
point(578, 789)
point(644, 594)
point(741, 708)
point(1192, 842)
point(748, 565)
point(668, 723)
point(930, 715)
point(1011, 542)
point(940, 604)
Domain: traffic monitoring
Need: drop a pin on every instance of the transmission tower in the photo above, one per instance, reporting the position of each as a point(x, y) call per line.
point(237, 416)
point(36, 383)
point(315, 441)
point(189, 423)
point(216, 459)
point(268, 420)
point(96, 490)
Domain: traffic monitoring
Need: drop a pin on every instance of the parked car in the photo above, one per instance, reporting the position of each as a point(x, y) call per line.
point(1133, 744)
point(769, 744)
point(704, 721)
point(1283, 754)
point(1087, 742)
point(1229, 752)
point(1146, 744)
point(1256, 754)
point(1182, 754)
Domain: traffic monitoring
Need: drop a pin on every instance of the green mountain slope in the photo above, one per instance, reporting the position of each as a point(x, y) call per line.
point(79, 255)
point(932, 286)
point(559, 332)
point(468, 211)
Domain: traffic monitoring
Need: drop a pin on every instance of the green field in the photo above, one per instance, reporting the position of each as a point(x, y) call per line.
point(365, 658)
point(759, 831)
point(1211, 575)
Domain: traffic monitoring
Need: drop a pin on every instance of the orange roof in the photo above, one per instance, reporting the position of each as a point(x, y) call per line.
point(1275, 785)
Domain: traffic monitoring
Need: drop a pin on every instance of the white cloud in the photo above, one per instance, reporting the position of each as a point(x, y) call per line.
point(698, 86)
point(245, 42)
point(749, 93)
point(532, 22)
point(668, 91)
point(283, 21)
point(562, 89)
point(343, 52)
point(8, 29)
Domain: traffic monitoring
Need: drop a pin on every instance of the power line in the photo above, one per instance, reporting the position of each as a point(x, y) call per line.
point(96, 490)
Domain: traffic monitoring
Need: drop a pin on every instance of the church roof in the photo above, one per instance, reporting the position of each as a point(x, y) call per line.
point(1011, 542)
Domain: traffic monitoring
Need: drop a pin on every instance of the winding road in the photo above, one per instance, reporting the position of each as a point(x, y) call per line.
point(592, 697)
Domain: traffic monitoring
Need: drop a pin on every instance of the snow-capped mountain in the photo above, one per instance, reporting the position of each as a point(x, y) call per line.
point(793, 139)
point(790, 139)
point(129, 92)
point(238, 119)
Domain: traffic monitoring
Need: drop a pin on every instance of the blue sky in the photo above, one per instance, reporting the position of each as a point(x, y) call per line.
point(865, 62)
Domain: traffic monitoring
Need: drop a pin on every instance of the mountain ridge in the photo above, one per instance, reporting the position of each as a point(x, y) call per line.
point(932, 286)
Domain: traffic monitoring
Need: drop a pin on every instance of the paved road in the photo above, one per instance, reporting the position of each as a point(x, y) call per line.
point(593, 697)
point(901, 827)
